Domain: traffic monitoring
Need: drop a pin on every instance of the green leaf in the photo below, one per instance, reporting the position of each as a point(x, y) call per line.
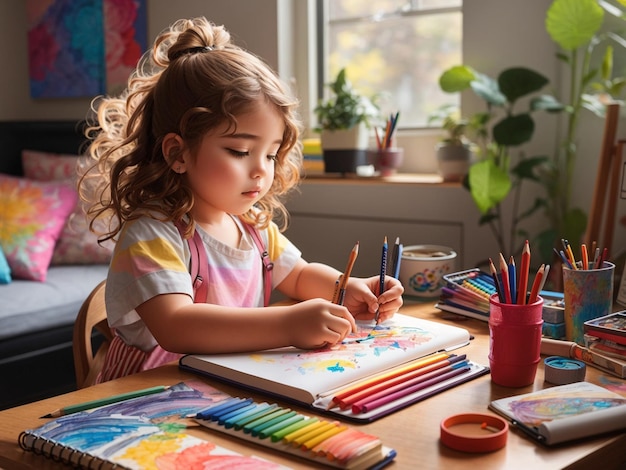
point(607, 63)
point(489, 185)
point(594, 104)
point(525, 169)
point(547, 103)
point(457, 78)
point(572, 23)
point(487, 89)
point(617, 38)
point(514, 130)
point(520, 81)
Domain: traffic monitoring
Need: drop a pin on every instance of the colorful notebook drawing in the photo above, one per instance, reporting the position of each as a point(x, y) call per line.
point(149, 432)
point(145, 432)
point(311, 377)
point(565, 412)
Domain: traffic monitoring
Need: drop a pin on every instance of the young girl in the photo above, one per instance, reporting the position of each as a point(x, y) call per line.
point(191, 162)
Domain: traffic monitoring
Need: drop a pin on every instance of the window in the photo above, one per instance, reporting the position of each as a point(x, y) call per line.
point(394, 48)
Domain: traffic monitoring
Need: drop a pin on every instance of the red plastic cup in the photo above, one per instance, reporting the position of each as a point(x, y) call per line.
point(514, 342)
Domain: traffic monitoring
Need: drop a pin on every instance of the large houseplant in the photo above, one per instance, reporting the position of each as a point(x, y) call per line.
point(576, 26)
point(344, 119)
point(497, 130)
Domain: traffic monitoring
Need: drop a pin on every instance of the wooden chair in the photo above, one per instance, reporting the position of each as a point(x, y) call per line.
point(92, 315)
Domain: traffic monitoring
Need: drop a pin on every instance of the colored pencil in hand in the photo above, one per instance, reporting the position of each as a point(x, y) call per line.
point(340, 289)
point(383, 271)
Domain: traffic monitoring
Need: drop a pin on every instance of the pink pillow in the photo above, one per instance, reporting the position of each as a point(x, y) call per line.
point(77, 244)
point(32, 215)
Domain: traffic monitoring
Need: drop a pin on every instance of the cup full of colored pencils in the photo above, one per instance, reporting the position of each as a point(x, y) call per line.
point(587, 288)
point(515, 321)
point(513, 284)
point(387, 158)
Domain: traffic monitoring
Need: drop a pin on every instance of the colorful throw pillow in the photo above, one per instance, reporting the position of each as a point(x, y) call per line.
point(77, 244)
point(5, 270)
point(32, 215)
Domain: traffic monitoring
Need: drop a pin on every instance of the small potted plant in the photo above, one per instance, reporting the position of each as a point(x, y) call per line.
point(455, 152)
point(344, 120)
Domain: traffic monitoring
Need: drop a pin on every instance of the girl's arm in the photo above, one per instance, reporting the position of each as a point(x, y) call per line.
point(181, 326)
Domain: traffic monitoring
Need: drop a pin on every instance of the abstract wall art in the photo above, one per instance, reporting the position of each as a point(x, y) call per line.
point(83, 48)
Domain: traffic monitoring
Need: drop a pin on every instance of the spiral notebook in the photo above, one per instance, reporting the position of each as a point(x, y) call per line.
point(151, 432)
point(392, 365)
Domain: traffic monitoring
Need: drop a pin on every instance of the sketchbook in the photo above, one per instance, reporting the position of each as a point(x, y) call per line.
point(151, 432)
point(565, 412)
point(399, 352)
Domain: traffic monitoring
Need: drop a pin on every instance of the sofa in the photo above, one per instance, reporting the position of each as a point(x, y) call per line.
point(50, 268)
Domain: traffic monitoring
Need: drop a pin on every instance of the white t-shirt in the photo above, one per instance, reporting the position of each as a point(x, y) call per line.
point(151, 258)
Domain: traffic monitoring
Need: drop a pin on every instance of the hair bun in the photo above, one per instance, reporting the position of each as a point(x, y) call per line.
point(192, 50)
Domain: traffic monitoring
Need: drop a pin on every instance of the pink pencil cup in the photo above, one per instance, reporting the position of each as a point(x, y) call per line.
point(514, 342)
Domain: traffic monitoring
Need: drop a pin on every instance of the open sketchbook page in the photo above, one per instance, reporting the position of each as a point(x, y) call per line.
point(304, 375)
point(566, 412)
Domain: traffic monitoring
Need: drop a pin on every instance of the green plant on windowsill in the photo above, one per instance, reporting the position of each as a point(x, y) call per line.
point(455, 152)
point(576, 26)
point(344, 119)
point(345, 108)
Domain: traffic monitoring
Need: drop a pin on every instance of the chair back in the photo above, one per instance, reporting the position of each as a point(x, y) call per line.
point(92, 315)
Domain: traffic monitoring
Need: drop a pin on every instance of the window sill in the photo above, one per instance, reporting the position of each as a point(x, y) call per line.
point(398, 178)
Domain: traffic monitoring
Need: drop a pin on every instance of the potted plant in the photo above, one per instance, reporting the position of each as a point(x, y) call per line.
point(455, 152)
point(576, 26)
point(344, 119)
point(498, 129)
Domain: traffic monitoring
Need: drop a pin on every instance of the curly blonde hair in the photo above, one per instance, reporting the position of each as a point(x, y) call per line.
point(192, 81)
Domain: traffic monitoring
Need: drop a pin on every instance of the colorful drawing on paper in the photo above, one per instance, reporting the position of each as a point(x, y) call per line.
point(366, 344)
point(83, 48)
point(149, 432)
point(533, 411)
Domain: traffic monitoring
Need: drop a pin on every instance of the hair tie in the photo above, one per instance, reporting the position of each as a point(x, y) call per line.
point(192, 50)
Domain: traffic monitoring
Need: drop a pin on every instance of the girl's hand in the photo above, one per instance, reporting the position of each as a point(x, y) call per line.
point(318, 323)
point(362, 302)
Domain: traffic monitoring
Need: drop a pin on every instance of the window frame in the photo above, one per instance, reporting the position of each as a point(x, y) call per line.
point(321, 19)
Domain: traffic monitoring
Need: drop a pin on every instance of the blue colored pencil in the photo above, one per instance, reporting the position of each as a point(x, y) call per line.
point(512, 280)
point(383, 271)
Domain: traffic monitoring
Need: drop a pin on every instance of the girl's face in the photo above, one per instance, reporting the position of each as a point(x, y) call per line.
point(234, 170)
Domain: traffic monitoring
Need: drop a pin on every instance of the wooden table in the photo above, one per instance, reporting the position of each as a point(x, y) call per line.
point(413, 432)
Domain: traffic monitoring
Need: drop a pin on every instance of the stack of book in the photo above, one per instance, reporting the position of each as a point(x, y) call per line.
point(607, 335)
point(467, 293)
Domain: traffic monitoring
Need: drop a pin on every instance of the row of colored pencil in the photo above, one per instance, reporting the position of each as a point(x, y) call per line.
point(513, 288)
point(287, 430)
point(402, 381)
point(569, 260)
